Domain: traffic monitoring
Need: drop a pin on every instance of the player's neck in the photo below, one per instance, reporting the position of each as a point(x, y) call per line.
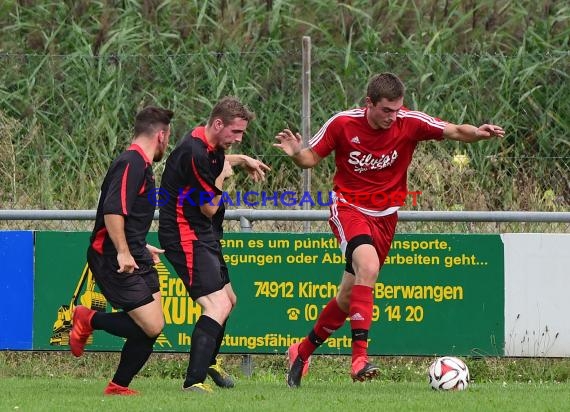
point(148, 146)
point(210, 137)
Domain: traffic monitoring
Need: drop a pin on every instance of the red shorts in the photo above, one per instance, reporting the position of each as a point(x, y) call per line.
point(348, 222)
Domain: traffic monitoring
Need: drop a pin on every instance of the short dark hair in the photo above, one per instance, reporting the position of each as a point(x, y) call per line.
point(385, 85)
point(151, 118)
point(229, 108)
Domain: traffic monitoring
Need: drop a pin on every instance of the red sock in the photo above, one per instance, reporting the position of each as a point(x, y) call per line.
point(360, 311)
point(331, 318)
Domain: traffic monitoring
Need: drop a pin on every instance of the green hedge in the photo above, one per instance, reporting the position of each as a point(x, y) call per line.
point(72, 75)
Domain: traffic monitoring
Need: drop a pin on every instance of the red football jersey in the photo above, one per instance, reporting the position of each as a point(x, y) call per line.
point(372, 164)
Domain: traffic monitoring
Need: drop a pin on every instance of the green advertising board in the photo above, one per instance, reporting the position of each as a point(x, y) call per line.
point(436, 294)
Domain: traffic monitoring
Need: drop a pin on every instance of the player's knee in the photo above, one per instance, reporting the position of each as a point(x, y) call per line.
point(227, 308)
point(366, 269)
point(153, 331)
point(160, 326)
point(231, 295)
point(351, 246)
point(221, 308)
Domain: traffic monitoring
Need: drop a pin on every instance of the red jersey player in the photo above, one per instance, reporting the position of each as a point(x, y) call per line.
point(373, 148)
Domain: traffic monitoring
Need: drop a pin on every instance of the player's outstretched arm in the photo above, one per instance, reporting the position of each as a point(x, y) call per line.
point(468, 133)
point(292, 145)
point(255, 168)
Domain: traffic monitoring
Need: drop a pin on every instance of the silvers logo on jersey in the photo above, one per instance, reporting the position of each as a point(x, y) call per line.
point(365, 161)
point(355, 140)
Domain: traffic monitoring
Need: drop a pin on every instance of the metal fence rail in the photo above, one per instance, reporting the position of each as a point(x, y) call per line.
point(314, 221)
point(245, 216)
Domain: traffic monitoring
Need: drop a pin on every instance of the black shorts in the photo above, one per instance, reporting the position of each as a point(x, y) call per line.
point(200, 265)
point(126, 291)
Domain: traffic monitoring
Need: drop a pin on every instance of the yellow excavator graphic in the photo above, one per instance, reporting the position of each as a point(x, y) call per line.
point(89, 298)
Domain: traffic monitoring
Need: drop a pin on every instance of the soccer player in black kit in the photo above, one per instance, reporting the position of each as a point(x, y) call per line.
point(119, 257)
point(190, 229)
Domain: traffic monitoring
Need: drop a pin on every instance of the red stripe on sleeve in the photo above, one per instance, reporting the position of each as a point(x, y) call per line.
point(124, 190)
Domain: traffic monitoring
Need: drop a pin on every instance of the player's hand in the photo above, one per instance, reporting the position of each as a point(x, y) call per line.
point(126, 262)
point(155, 253)
point(288, 142)
point(255, 168)
point(489, 130)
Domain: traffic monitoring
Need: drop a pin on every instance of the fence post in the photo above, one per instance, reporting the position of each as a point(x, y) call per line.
point(244, 224)
point(306, 118)
point(246, 360)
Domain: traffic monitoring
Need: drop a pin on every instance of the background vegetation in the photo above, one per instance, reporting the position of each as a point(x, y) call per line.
point(74, 73)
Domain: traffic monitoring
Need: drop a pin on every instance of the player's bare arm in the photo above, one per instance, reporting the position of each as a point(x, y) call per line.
point(115, 225)
point(292, 145)
point(468, 133)
point(210, 208)
point(255, 168)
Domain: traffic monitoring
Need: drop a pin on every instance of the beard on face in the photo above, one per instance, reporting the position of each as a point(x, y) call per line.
point(224, 146)
point(158, 156)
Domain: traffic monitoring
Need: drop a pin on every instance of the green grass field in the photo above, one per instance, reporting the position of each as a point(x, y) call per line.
point(333, 393)
point(50, 381)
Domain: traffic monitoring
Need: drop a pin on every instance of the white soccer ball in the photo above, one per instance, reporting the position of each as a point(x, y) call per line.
point(448, 373)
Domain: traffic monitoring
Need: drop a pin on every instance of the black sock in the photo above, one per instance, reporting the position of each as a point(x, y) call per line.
point(134, 355)
point(118, 324)
point(203, 345)
point(219, 340)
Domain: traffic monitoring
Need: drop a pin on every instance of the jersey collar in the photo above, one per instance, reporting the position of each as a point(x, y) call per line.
point(140, 151)
point(200, 133)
